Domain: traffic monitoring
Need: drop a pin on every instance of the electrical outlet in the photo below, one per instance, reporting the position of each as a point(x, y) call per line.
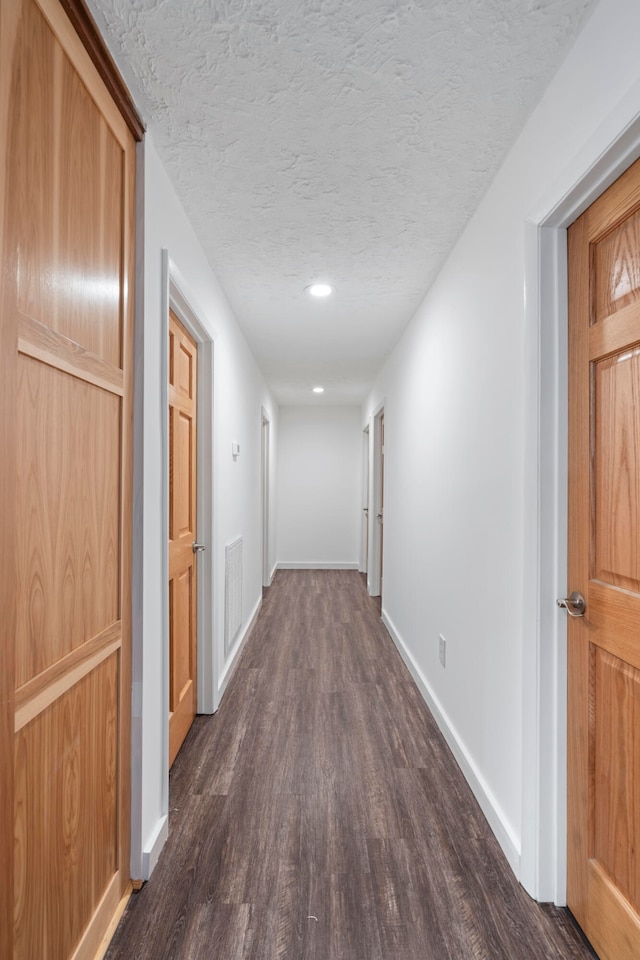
point(443, 651)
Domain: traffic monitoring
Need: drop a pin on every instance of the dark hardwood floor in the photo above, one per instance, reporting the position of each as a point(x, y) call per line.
point(319, 815)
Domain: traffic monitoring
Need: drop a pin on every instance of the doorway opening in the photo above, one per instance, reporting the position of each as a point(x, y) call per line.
point(183, 532)
point(376, 517)
point(364, 536)
point(175, 299)
point(603, 666)
point(265, 461)
point(543, 858)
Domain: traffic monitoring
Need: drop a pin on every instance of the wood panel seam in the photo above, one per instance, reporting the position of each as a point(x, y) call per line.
point(40, 692)
point(40, 342)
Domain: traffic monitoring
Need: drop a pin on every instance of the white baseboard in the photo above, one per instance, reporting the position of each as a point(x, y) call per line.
point(285, 565)
point(273, 573)
point(484, 796)
point(236, 650)
point(151, 852)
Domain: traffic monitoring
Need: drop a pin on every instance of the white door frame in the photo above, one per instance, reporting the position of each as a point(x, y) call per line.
point(364, 524)
point(265, 460)
point(175, 298)
point(544, 676)
point(375, 487)
point(190, 316)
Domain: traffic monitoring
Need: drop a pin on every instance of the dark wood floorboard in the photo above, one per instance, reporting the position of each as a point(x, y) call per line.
point(319, 815)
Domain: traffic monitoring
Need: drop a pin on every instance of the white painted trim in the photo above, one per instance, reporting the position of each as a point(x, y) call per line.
point(488, 803)
point(154, 847)
point(596, 165)
point(374, 564)
point(265, 461)
point(273, 573)
point(543, 871)
point(137, 574)
point(600, 161)
point(364, 515)
point(236, 650)
point(190, 316)
point(312, 565)
point(173, 296)
point(165, 302)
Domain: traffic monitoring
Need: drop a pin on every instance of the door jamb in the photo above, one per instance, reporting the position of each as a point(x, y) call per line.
point(364, 526)
point(375, 458)
point(190, 316)
point(175, 298)
point(544, 676)
point(265, 466)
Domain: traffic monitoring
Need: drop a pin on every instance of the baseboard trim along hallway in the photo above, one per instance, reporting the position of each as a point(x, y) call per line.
point(320, 814)
point(474, 778)
point(312, 565)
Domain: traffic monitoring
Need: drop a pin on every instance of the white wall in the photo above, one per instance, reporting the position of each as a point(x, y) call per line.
point(239, 394)
point(319, 486)
point(461, 395)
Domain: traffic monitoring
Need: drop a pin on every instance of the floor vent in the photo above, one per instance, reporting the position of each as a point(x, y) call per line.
point(232, 592)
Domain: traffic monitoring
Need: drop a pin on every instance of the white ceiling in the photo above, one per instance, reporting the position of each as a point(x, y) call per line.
point(342, 140)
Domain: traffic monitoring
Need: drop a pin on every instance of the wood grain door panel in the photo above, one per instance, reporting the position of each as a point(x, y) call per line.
point(68, 272)
point(183, 387)
point(603, 878)
point(616, 397)
point(67, 222)
point(66, 774)
point(68, 558)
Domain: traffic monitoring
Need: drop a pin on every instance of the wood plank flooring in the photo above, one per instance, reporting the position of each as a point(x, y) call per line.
point(319, 815)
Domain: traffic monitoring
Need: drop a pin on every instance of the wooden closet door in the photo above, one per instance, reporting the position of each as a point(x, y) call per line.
point(67, 225)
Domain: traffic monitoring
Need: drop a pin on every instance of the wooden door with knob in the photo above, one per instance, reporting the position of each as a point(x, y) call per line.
point(603, 878)
point(183, 546)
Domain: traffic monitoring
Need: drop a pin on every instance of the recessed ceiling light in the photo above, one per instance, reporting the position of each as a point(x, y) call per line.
point(318, 389)
point(319, 289)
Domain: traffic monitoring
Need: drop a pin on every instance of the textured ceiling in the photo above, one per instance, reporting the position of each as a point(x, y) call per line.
point(343, 140)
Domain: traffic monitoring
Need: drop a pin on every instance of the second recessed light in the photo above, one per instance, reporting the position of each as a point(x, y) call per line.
point(319, 289)
point(318, 389)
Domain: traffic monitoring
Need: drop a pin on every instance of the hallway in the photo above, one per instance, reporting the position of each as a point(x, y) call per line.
point(319, 815)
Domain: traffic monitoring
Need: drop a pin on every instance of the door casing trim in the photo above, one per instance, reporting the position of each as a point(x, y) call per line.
point(265, 494)
point(600, 161)
point(364, 524)
point(174, 296)
point(190, 316)
point(374, 562)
